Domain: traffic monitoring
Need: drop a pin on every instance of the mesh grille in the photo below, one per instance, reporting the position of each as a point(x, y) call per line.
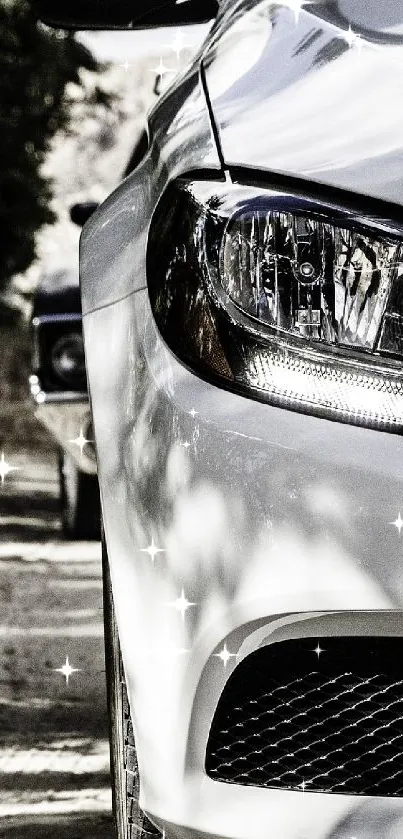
point(333, 722)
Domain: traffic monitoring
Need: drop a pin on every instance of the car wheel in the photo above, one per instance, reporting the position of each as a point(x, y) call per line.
point(131, 822)
point(79, 501)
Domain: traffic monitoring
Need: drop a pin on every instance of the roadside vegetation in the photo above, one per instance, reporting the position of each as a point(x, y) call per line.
point(42, 72)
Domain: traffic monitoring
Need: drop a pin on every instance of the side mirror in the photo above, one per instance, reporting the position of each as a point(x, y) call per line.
point(123, 14)
point(80, 213)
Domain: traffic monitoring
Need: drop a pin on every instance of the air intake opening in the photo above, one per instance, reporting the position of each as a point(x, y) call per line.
point(316, 715)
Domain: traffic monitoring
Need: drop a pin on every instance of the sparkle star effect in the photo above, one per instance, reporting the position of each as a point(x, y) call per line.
point(80, 441)
point(5, 468)
point(193, 413)
point(161, 70)
point(181, 604)
point(353, 39)
point(318, 650)
point(186, 444)
point(67, 670)
point(398, 523)
point(225, 655)
point(152, 550)
point(126, 66)
point(178, 44)
point(302, 785)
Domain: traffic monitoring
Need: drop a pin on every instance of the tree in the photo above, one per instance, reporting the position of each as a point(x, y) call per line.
point(36, 66)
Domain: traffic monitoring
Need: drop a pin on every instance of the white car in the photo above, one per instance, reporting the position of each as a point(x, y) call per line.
point(243, 321)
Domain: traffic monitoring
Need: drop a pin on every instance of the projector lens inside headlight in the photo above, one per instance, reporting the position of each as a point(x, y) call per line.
point(283, 298)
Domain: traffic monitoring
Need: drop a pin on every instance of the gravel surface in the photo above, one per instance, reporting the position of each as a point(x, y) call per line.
point(54, 757)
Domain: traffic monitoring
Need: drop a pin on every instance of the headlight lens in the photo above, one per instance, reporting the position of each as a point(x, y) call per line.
point(310, 278)
point(285, 299)
point(68, 359)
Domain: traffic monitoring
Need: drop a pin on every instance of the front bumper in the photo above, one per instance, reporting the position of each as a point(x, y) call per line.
point(264, 519)
point(67, 416)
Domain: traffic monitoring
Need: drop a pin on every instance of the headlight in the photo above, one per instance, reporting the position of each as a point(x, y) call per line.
point(282, 298)
point(68, 359)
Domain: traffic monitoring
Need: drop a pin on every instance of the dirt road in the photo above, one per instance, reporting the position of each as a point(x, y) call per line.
point(54, 759)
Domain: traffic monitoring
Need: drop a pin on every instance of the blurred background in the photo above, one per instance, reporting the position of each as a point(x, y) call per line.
point(71, 111)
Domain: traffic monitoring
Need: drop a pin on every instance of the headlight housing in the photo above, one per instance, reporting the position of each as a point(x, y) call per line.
point(282, 298)
point(58, 352)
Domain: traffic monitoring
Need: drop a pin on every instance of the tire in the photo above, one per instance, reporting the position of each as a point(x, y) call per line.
point(130, 821)
point(80, 507)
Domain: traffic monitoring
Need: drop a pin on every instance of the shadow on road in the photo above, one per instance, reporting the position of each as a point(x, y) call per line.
point(71, 826)
point(54, 755)
point(30, 502)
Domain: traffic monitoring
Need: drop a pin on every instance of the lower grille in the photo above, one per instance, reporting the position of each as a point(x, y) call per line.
point(295, 716)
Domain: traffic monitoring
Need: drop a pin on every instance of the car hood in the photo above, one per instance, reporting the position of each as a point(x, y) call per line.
point(58, 293)
point(311, 92)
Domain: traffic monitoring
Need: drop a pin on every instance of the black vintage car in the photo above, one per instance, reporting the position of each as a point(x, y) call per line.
point(58, 386)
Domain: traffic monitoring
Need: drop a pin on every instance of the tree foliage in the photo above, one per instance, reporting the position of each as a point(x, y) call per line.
point(36, 66)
